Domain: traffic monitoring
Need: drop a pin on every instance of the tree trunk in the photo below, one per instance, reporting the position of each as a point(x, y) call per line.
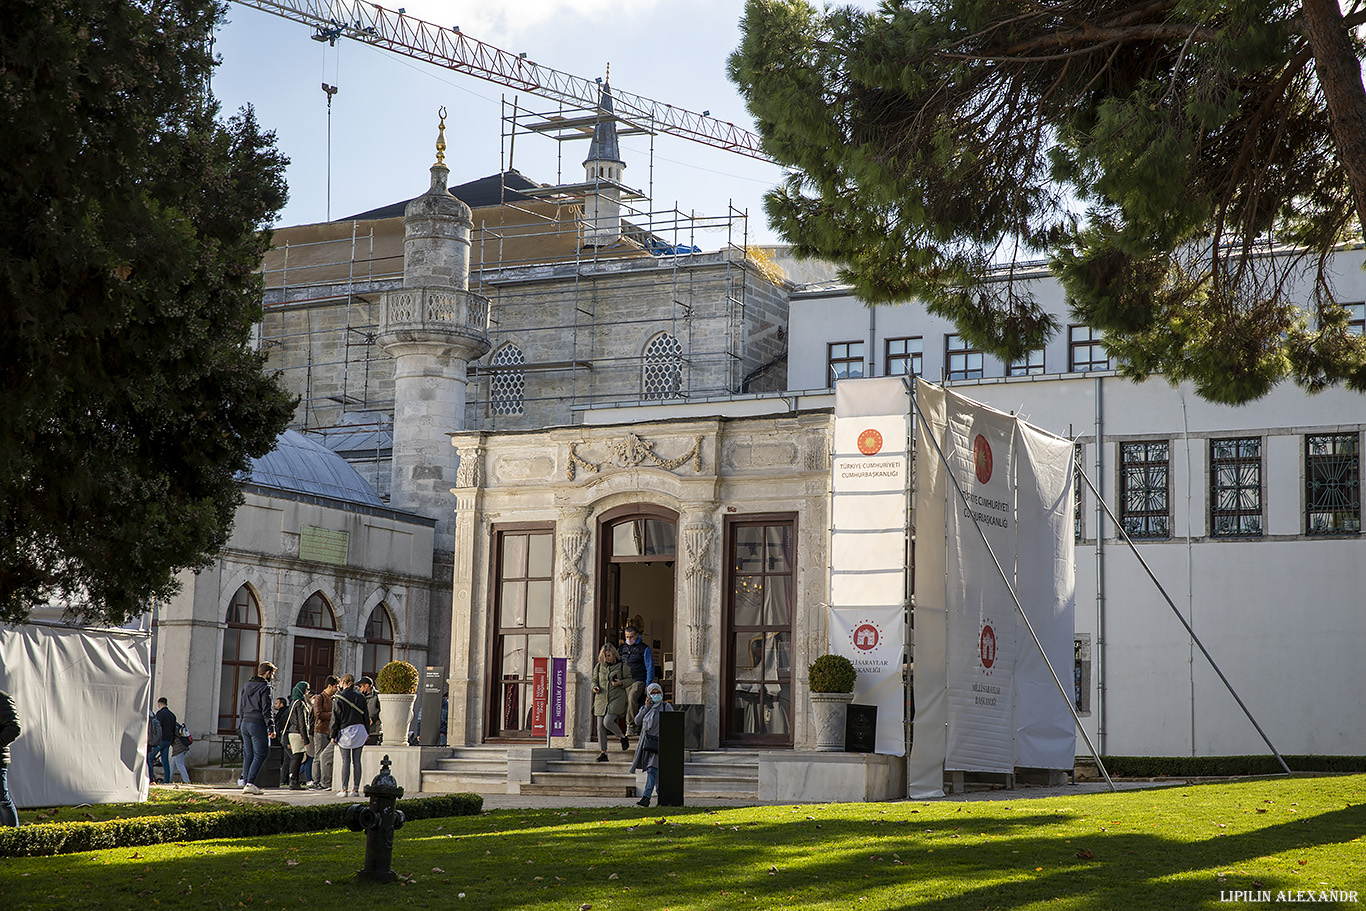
point(1339, 73)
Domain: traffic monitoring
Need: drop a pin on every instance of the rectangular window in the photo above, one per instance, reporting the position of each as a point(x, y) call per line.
point(1086, 353)
point(523, 586)
point(761, 586)
point(905, 356)
point(964, 362)
point(845, 360)
point(1235, 487)
point(1144, 496)
point(1356, 317)
point(1029, 365)
point(1332, 484)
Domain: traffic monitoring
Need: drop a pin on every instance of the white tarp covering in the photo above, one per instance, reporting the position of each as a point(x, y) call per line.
point(985, 699)
point(868, 546)
point(83, 698)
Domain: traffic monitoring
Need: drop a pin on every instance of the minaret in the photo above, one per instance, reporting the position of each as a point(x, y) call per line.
point(603, 171)
point(432, 328)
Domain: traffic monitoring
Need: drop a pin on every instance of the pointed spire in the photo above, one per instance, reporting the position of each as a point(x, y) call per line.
point(605, 146)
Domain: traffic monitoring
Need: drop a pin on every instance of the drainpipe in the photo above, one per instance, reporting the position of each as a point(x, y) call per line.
point(1099, 661)
point(1190, 560)
point(872, 341)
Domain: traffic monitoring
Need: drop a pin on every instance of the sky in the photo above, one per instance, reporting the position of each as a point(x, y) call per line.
point(384, 114)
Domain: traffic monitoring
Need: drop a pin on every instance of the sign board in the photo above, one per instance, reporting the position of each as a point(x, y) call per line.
point(860, 729)
point(433, 688)
point(540, 694)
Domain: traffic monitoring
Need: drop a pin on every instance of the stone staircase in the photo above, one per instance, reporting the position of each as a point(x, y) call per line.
point(481, 769)
point(730, 775)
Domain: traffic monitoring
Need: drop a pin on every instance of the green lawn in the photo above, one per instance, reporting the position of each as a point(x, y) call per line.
point(160, 802)
point(1171, 848)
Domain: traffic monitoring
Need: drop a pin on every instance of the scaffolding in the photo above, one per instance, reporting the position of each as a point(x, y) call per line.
point(648, 317)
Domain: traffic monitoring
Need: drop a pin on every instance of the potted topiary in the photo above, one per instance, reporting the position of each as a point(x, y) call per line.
point(831, 682)
point(397, 685)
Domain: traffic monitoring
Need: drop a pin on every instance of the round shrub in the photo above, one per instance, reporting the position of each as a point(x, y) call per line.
point(832, 674)
point(397, 677)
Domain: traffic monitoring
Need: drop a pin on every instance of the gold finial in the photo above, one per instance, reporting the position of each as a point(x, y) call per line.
point(609, 74)
point(441, 139)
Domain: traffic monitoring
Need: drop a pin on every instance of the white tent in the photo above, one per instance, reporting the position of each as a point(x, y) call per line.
point(82, 696)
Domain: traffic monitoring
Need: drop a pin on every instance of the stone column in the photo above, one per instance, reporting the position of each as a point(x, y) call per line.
point(574, 537)
point(698, 608)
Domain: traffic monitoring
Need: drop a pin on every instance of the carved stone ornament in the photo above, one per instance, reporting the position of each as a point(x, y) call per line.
point(697, 542)
point(573, 543)
point(630, 451)
point(470, 473)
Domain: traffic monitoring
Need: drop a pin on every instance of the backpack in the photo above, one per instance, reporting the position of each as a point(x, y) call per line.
point(153, 730)
point(181, 730)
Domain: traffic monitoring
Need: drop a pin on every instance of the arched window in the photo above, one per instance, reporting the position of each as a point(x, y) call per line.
point(316, 613)
point(379, 641)
point(662, 373)
point(241, 654)
point(507, 384)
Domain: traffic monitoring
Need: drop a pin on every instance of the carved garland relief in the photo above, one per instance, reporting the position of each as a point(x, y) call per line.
point(629, 452)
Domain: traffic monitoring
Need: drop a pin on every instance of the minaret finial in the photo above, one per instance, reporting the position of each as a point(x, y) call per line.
point(441, 139)
point(608, 80)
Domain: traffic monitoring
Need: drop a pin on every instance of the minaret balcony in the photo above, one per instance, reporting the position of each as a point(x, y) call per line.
point(434, 309)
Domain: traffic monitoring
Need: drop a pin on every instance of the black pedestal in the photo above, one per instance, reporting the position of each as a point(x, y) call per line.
point(670, 787)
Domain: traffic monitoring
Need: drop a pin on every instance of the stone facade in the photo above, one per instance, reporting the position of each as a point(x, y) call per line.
point(701, 476)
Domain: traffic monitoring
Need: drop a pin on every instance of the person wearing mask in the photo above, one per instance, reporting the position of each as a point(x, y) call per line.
point(323, 751)
point(350, 729)
point(167, 720)
point(9, 732)
point(257, 724)
point(647, 748)
point(640, 671)
point(297, 732)
point(609, 697)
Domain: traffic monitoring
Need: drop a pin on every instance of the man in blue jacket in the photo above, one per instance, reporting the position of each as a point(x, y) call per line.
point(640, 664)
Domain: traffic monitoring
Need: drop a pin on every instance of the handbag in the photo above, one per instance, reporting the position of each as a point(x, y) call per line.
point(297, 743)
point(649, 743)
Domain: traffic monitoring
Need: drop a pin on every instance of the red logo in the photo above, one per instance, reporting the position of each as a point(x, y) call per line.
point(987, 643)
point(866, 637)
point(981, 454)
point(870, 442)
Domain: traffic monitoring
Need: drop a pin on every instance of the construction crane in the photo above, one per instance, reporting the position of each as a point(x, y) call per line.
point(451, 48)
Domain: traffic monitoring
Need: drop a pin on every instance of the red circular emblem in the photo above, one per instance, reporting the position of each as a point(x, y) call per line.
point(865, 637)
point(981, 454)
point(987, 644)
point(870, 442)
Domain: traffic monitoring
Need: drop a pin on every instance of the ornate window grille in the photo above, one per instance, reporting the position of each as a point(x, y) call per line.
point(905, 356)
point(1144, 496)
point(507, 383)
point(662, 376)
point(1235, 487)
point(964, 361)
point(1332, 484)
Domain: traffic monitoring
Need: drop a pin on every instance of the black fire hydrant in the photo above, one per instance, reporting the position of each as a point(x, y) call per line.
point(378, 820)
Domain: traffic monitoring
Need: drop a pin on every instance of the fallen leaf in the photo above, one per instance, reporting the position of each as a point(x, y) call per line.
point(585, 907)
point(437, 870)
point(613, 876)
point(772, 870)
point(291, 863)
point(1085, 854)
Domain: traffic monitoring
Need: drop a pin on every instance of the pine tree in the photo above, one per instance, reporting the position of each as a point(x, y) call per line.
point(133, 226)
point(1153, 152)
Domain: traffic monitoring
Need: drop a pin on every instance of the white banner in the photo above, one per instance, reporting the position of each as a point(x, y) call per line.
point(985, 699)
point(868, 546)
point(981, 615)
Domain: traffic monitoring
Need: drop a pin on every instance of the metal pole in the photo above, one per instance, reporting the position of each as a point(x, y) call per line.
point(1196, 639)
point(1072, 709)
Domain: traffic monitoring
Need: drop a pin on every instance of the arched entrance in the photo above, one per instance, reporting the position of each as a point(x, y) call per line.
point(637, 550)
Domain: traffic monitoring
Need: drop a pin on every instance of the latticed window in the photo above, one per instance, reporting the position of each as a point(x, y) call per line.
point(1031, 364)
point(379, 642)
point(905, 356)
point(316, 613)
point(1332, 484)
point(663, 373)
point(1235, 487)
point(1144, 496)
point(507, 382)
point(241, 652)
point(964, 361)
point(1085, 350)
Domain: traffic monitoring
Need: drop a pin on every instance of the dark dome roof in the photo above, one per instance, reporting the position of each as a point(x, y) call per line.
point(300, 465)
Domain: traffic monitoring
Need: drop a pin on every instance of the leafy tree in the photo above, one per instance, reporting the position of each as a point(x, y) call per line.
point(1156, 151)
point(132, 228)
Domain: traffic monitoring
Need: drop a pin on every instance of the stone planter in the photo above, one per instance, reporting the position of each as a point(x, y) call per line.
point(396, 717)
point(828, 714)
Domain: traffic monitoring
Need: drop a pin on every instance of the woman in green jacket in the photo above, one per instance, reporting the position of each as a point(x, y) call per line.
point(609, 697)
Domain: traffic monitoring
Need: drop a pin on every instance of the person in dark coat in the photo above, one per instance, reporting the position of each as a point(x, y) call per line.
point(366, 686)
point(646, 758)
point(9, 732)
point(640, 673)
point(350, 729)
point(166, 718)
point(278, 745)
point(297, 732)
point(257, 724)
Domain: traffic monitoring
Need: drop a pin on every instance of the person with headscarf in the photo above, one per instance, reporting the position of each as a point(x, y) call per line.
point(647, 747)
point(298, 731)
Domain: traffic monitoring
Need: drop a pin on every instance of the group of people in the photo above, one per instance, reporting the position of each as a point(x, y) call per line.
point(624, 682)
point(310, 729)
point(168, 740)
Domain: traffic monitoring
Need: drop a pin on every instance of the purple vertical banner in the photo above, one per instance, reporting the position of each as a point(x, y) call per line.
point(558, 674)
